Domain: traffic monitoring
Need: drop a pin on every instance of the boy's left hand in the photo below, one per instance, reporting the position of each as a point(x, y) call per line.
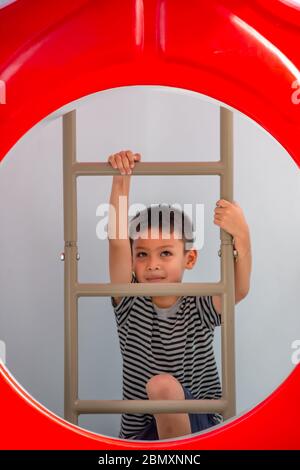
point(229, 216)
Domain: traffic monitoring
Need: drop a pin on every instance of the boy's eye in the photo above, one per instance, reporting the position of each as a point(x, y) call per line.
point(166, 251)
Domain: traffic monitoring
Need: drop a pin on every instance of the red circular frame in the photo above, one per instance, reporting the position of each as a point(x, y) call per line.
point(53, 53)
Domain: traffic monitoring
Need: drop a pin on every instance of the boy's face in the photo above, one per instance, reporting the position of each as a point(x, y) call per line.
point(161, 259)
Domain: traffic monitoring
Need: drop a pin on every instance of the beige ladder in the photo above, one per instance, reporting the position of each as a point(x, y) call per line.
point(73, 406)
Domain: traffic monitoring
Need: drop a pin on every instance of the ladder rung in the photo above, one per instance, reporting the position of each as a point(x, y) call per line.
point(146, 289)
point(149, 406)
point(151, 168)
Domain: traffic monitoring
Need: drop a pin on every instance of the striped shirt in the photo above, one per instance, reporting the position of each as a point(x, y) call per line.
point(177, 341)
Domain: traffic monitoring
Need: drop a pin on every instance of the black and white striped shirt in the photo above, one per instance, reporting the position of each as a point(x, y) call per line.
point(177, 341)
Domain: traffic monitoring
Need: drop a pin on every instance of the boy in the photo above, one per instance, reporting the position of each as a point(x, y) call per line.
point(167, 341)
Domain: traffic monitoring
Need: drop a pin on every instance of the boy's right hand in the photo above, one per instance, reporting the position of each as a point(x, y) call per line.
point(124, 161)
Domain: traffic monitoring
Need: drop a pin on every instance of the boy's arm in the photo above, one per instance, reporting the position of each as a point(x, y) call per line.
point(243, 265)
point(242, 270)
point(120, 265)
point(229, 216)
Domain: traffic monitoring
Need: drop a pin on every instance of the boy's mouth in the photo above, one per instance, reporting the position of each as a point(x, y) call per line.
point(155, 279)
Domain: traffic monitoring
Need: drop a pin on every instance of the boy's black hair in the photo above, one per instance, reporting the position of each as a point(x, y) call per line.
point(161, 214)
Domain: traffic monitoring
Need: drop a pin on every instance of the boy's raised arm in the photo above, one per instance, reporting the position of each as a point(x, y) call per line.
point(120, 263)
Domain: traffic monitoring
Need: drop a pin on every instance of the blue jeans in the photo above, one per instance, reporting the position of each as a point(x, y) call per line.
point(198, 422)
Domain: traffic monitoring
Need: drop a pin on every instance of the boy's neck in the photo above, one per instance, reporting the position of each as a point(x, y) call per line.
point(164, 302)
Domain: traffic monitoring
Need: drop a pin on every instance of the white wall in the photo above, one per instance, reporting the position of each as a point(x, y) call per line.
point(163, 124)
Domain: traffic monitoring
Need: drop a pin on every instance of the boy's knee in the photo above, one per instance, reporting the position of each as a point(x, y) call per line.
point(164, 386)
